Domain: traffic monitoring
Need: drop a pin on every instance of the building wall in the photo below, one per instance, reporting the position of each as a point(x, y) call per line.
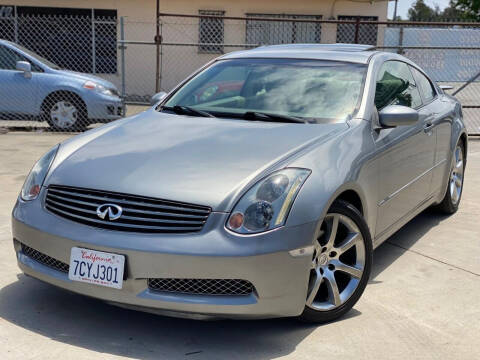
point(144, 10)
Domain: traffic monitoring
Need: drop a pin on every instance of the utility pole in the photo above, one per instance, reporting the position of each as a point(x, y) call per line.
point(395, 11)
point(158, 40)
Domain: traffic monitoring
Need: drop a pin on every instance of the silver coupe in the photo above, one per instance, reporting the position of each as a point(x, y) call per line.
point(257, 188)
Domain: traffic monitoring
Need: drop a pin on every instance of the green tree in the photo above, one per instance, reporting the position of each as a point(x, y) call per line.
point(469, 9)
point(457, 10)
point(451, 12)
point(422, 12)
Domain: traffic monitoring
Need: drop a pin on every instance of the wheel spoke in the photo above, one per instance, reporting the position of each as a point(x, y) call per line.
point(349, 242)
point(333, 293)
point(350, 270)
point(454, 193)
point(333, 231)
point(459, 164)
point(315, 287)
point(458, 181)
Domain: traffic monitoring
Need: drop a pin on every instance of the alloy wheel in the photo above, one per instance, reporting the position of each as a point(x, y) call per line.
point(456, 175)
point(64, 114)
point(338, 263)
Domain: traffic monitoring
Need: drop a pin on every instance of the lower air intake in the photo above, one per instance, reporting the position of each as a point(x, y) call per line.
point(45, 259)
point(202, 286)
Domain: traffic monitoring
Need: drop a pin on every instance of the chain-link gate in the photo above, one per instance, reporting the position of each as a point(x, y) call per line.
point(101, 64)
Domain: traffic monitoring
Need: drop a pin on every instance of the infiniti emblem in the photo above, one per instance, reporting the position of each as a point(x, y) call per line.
point(109, 212)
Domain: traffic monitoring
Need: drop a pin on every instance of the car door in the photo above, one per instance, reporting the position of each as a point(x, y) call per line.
point(441, 117)
point(406, 152)
point(18, 94)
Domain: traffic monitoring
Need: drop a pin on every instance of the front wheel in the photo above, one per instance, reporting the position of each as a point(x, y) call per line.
point(451, 201)
point(341, 264)
point(66, 114)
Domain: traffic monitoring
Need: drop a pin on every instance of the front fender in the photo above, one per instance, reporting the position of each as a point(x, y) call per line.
point(58, 83)
point(346, 162)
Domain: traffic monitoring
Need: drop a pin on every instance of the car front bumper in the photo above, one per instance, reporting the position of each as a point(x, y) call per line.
point(276, 263)
point(104, 108)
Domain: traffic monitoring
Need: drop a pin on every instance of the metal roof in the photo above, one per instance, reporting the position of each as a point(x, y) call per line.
point(339, 52)
point(324, 47)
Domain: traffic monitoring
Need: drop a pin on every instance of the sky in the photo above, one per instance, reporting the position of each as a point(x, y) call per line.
point(404, 5)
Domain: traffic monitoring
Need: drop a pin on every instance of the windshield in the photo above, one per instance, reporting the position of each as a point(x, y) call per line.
point(309, 89)
point(38, 57)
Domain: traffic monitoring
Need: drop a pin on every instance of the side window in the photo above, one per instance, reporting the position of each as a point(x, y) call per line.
point(426, 88)
point(9, 58)
point(396, 86)
point(36, 68)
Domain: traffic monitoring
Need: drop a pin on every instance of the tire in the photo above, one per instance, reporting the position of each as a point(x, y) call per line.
point(65, 111)
point(347, 270)
point(453, 194)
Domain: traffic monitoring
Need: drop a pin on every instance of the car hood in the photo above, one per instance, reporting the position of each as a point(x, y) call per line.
point(87, 77)
point(204, 161)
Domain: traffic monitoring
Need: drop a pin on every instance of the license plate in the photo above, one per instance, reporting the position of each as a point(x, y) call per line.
point(96, 267)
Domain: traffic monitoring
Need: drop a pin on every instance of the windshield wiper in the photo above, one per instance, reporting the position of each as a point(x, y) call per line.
point(256, 115)
point(187, 110)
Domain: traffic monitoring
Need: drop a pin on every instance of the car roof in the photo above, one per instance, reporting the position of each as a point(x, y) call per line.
point(8, 44)
point(335, 52)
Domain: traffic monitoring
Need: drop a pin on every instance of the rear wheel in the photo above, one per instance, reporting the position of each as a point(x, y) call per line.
point(65, 112)
point(340, 266)
point(451, 201)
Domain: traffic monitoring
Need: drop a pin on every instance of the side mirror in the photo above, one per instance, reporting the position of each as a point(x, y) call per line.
point(24, 66)
point(157, 98)
point(397, 115)
point(446, 87)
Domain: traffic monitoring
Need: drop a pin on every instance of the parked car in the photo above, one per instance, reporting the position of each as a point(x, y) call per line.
point(33, 87)
point(265, 203)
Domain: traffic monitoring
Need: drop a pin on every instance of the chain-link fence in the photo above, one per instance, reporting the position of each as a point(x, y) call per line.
point(65, 72)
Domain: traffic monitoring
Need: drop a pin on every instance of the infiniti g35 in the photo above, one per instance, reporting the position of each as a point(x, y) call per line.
point(257, 188)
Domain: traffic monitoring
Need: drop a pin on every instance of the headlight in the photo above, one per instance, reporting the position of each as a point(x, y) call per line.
point(267, 204)
point(97, 87)
point(33, 183)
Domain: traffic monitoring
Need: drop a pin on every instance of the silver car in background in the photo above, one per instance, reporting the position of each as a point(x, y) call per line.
point(257, 188)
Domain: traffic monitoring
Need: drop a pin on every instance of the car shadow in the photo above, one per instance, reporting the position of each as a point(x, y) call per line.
point(94, 325)
point(97, 326)
point(400, 242)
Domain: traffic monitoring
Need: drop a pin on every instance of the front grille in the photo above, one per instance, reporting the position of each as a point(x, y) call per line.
point(45, 259)
point(140, 214)
point(202, 286)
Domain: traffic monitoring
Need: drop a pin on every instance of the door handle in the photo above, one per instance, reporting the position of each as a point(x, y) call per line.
point(428, 127)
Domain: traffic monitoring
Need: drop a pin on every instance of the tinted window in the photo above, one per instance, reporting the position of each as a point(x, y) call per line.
point(396, 86)
point(9, 58)
point(426, 87)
